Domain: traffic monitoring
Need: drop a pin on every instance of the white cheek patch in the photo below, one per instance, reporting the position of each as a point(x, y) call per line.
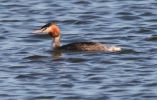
point(47, 30)
point(42, 31)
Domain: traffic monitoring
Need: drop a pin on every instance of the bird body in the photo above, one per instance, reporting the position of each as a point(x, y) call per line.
point(54, 31)
point(89, 46)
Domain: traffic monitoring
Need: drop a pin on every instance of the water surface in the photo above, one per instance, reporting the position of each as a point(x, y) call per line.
point(30, 70)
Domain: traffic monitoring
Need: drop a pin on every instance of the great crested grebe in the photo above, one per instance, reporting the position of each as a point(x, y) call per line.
point(54, 31)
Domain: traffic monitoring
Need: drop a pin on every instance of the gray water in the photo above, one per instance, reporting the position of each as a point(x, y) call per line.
point(30, 70)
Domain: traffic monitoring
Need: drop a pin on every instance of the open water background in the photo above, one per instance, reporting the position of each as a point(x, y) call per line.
point(30, 70)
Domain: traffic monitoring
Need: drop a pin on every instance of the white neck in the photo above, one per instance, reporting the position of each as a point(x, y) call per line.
point(56, 42)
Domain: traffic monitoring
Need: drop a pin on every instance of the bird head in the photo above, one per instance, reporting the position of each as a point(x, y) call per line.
point(51, 28)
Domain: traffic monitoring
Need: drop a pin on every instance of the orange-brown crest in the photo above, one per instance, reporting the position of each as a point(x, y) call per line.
point(55, 31)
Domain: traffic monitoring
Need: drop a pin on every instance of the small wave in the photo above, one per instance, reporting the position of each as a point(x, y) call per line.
point(129, 17)
point(128, 51)
point(35, 57)
point(152, 38)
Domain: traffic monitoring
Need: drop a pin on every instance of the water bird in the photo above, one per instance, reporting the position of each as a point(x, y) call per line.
point(54, 31)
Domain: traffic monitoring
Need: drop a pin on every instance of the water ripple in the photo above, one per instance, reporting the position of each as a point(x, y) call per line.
point(32, 70)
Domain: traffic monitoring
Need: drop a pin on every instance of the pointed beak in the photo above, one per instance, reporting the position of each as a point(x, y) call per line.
point(38, 31)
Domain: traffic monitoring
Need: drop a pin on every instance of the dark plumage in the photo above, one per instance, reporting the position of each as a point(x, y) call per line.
point(86, 46)
point(54, 31)
point(47, 25)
